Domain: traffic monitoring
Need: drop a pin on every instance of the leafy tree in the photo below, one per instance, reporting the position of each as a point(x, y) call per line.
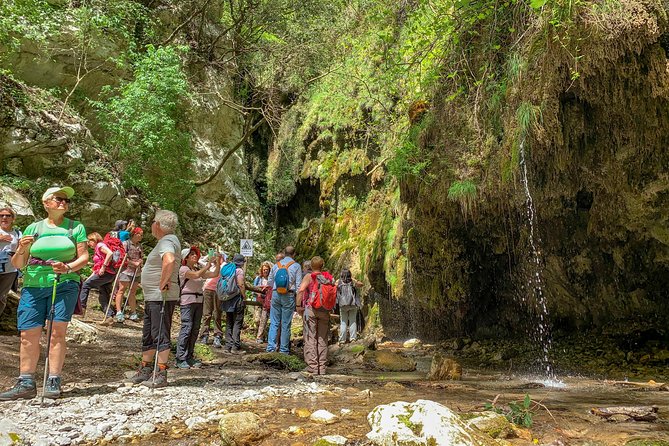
point(144, 125)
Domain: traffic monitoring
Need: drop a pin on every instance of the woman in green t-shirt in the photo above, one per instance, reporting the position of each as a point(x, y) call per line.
point(50, 250)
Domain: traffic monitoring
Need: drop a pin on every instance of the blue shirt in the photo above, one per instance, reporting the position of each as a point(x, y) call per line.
point(294, 275)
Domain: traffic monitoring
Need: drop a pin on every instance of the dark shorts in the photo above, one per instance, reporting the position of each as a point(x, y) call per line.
point(153, 333)
point(35, 304)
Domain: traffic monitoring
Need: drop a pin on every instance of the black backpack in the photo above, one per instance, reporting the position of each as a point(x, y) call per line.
point(345, 294)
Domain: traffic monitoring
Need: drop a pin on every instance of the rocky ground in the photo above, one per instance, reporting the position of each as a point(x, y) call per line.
point(99, 408)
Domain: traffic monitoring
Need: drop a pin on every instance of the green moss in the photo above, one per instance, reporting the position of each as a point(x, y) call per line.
point(416, 428)
point(357, 348)
point(204, 352)
point(279, 361)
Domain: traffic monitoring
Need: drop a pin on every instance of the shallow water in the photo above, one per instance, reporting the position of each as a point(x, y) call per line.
point(563, 414)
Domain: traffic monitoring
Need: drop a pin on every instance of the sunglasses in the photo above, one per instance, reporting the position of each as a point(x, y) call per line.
point(61, 200)
point(6, 216)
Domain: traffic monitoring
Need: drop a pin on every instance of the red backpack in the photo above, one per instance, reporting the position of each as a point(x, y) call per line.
point(118, 252)
point(322, 291)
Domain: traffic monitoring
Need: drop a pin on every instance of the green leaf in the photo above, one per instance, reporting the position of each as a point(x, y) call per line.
point(527, 401)
point(537, 4)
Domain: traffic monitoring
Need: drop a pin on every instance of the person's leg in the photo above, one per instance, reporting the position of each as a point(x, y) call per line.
point(91, 282)
point(229, 325)
point(184, 334)
point(322, 332)
point(207, 311)
point(132, 297)
point(165, 343)
point(343, 321)
point(310, 356)
point(262, 324)
point(122, 287)
point(6, 282)
point(274, 322)
point(29, 350)
point(218, 315)
point(287, 310)
point(196, 317)
point(237, 328)
point(106, 290)
point(353, 321)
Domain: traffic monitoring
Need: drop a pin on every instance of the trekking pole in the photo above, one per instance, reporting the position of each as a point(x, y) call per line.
point(112, 296)
point(132, 282)
point(160, 330)
point(48, 335)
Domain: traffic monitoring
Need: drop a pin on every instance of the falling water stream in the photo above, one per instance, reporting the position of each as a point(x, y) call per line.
point(535, 281)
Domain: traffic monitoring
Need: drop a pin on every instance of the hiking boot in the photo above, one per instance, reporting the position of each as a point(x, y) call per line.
point(194, 363)
point(161, 380)
point(120, 317)
point(217, 342)
point(182, 365)
point(258, 341)
point(142, 375)
point(204, 339)
point(134, 317)
point(52, 389)
point(24, 389)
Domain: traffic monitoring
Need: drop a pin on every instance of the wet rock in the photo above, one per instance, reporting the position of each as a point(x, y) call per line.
point(388, 361)
point(8, 433)
point(331, 440)
point(323, 416)
point(421, 423)
point(241, 428)
point(494, 424)
point(412, 343)
point(444, 368)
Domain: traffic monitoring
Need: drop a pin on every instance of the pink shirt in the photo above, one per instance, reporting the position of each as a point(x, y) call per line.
point(191, 293)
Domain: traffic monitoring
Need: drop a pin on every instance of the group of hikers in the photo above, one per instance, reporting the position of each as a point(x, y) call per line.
point(51, 252)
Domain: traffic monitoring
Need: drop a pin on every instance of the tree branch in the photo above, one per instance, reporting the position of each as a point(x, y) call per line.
point(188, 20)
point(230, 152)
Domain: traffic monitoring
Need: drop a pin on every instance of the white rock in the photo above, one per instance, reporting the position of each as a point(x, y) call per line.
point(323, 416)
point(146, 428)
point(421, 423)
point(8, 432)
point(412, 343)
point(344, 412)
point(335, 439)
point(194, 423)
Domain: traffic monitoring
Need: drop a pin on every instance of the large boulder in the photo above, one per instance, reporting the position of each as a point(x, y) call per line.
point(421, 423)
point(241, 428)
point(388, 361)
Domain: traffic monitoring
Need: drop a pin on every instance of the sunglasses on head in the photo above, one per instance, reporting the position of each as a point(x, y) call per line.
point(61, 200)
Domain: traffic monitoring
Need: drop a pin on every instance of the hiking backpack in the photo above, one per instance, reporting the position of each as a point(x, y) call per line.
point(322, 291)
point(345, 294)
point(118, 252)
point(282, 278)
point(227, 286)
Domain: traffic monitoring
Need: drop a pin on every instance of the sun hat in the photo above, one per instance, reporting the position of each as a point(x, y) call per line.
point(186, 252)
point(68, 191)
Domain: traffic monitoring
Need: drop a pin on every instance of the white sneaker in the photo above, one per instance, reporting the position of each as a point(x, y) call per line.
point(134, 317)
point(120, 317)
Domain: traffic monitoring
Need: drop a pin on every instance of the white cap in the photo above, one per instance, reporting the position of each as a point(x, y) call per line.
point(68, 191)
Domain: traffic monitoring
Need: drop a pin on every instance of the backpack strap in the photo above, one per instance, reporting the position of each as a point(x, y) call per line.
point(70, 230)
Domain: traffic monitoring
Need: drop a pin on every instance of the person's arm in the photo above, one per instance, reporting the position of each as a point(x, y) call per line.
point(20, 258)
point(270, 279)
point(210, 272)
point(357, 283)
point(298, 275)
point(304, 285)
point(169, 261)
point(108, 254)
point(241, 284)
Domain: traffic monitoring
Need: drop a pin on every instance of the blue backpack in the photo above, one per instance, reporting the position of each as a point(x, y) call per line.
point(281, 278)
point(227, 287)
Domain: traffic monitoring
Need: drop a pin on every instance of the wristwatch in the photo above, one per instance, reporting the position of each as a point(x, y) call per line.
point(69, 268)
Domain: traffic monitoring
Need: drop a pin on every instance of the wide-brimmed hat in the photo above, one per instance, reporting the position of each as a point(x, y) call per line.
point(68, 191)
point(186, 252)
point(239, 260)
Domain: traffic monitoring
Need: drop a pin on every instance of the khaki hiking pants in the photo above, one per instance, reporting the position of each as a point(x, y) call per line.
point(316, 334)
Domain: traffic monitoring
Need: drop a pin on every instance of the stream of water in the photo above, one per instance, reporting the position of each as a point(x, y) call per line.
point(537, 296)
